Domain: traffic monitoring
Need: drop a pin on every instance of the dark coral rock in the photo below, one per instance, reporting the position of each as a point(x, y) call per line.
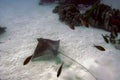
point(114, 22)
point(99, 16)
point(69, 14)
point(103, 16)
point(77, 2)
point(65, 7)
point(56, 9)
point(76, 19)
point(2, 29)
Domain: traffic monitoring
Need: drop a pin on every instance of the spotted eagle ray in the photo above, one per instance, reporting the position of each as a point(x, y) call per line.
point(44, 46)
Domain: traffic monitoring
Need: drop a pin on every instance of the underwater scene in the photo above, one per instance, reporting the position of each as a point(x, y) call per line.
point(59, 40)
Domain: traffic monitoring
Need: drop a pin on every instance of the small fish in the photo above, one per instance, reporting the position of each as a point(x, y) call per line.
point(85, 23)
point(27, 60)
point(99, 47)
point(105, 38)
point(72, 26)
point(59, 70)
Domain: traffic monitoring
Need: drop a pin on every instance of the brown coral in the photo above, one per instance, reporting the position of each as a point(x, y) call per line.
point(69, 14)
point(103, 16)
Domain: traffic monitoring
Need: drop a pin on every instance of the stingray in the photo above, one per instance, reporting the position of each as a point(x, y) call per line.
point(47, 46)
point(44, 47)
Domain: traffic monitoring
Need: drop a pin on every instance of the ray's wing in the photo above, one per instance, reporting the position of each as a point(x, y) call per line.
point(46, 46)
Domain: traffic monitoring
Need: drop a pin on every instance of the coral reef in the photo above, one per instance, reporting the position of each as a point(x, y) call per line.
point(69, 14)
point(103, 16)
point(77, 2)
point(99, 16)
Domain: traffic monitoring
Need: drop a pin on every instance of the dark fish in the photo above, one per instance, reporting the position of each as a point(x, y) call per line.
point(59, 70)
point(72, 26)
point(85, 23)
point(27, 60)
point(105, 38)
point(99, 47)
